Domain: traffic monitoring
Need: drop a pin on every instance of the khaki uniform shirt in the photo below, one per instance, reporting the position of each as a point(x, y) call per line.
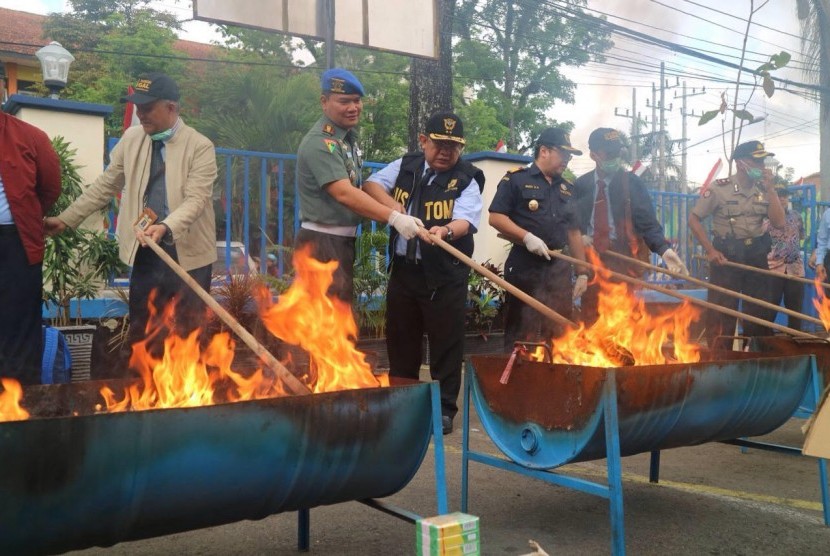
point(327, 154)
point(736, 212)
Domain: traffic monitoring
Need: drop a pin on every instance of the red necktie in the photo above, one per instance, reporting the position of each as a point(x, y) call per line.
point(601, 227)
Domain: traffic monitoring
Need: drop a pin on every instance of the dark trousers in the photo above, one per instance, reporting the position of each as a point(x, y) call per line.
point(21, 290)
point(792, 293)
point(745, 281)
point(548, 282)
point(153, 286)
point(329, 247)
point(412, 310)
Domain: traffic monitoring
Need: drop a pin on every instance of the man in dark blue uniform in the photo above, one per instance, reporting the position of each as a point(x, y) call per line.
point(428, 286)
point(533, 208)
point(616, 213)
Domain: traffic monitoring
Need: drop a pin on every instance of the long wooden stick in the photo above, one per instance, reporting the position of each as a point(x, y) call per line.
point(713, 287)
point(291, 382)
point(531, 301)
point(771, 273)
point(674, 293)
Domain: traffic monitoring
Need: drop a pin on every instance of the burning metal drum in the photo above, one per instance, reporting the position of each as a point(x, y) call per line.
point(549, 415)
point(787, 345)
point(84, 480)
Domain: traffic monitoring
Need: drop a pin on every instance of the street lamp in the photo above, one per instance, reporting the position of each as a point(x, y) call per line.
point(55, 60)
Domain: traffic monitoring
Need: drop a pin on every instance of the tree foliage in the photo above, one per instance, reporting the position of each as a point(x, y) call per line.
point(511, 55)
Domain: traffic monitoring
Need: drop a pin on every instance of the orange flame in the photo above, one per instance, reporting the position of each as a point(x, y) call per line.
point(626, 333)
point(187, 376)
point(323, 326)
point(822, 304)
point(10, 397)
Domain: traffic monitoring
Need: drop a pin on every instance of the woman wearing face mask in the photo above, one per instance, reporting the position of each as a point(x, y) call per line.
point(787, 258)
point(739, 205)
point(616, 213)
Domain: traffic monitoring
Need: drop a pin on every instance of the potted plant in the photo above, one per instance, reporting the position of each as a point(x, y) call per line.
point(76, 264)
point(485, 308)
point(370, 280)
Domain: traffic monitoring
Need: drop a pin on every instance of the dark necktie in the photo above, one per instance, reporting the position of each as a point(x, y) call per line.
point(602, 229)
point(414, 208)
point(155, 195)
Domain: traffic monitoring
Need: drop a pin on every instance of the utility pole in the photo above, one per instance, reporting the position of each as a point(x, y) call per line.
point(635, 123)
point(684, 112)
point(661, 172)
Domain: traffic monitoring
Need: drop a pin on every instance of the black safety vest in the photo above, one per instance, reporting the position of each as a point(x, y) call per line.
point(435, 209)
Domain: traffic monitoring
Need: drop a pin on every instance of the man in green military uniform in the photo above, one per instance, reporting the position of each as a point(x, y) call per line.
point(329, 164)
point(738, 206)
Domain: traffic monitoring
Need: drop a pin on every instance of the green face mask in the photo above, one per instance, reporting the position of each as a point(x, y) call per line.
point(754, 174)
point(611, 166)
point(162, 135)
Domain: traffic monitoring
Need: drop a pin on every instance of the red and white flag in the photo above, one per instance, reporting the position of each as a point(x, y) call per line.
point(713, 173)
point(130, 116)
point(638, 169)
point(501, 147)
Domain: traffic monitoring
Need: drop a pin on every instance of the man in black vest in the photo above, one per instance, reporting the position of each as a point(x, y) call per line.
point(427, 286)
point(616, 213)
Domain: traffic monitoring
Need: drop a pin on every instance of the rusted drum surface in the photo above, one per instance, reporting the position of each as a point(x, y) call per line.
point(787, 345)
point(550, 415)
point(95, 480)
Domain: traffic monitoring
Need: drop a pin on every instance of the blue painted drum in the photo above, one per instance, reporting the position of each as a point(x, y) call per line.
point(96, 480)
point(550, 415)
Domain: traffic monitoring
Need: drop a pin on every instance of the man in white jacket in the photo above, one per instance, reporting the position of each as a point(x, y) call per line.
point(166, 169)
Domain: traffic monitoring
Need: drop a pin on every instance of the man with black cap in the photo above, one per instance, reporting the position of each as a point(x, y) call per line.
point(738, 206)
point(427, 289)
point(329, 166)
point(533, 207)
point(164, 171)
point(616, 213)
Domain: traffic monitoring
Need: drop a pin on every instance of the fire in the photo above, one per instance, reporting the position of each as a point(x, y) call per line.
point(10, 397)
point(185, 375)
point(323, 326)
point(626, 333)
point(822, 304)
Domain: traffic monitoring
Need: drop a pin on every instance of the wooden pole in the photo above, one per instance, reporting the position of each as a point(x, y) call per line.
point(291, 382)
point(531, 301)
point(713, 287)
point(766, 272)
point(673, 293)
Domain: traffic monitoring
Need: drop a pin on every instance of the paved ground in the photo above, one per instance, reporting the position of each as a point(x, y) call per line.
point(712, 499)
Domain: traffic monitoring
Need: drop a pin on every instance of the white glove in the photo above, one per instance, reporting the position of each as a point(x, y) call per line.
point(580, 286)
point(587, 240)
point(674, 263)
point(406, 225)
point(536, 245)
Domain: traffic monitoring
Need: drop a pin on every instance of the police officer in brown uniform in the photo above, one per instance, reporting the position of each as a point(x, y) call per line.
point(738, 206)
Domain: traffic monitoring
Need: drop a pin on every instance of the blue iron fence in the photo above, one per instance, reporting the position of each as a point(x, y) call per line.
point(269, 225)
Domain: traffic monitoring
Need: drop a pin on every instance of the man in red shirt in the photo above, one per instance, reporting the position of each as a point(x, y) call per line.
point(30, 183)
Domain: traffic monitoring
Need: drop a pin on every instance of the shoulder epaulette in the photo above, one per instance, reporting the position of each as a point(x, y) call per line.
point(723, 181)
point(517, 169)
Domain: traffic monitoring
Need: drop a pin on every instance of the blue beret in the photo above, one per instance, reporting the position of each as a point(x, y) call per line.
point(338, 80)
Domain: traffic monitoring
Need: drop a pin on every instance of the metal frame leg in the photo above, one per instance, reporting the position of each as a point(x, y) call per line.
point(465, 434)
point(303, 530)
point(654, 467)
point(438, 445)
point(612, 447)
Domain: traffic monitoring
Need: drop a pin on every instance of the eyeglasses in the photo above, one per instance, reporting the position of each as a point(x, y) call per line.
point(563, 154)
point(451, 146)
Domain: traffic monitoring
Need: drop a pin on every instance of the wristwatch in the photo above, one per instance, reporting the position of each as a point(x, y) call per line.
point(450, 234)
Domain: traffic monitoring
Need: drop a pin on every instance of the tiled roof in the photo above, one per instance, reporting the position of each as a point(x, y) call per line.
point(23, 28)
point(17, 28)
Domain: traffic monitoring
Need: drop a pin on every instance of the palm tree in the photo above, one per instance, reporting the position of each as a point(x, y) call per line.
point(814, 16)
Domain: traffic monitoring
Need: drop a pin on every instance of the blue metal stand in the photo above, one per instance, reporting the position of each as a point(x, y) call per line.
point(611, 491)
point(304, 518)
